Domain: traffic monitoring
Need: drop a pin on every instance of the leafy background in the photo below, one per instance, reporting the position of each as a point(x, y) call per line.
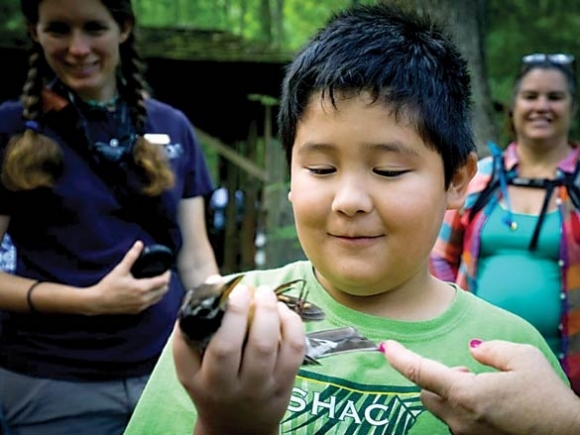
point(508, 29)
point(513, 27)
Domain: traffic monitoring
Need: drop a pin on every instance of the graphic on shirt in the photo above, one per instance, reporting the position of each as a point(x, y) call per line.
point(7, 255)
point(173, 151)
point(325, 405)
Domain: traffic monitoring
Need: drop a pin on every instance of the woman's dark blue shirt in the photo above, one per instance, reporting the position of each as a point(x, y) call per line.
point(76, 232)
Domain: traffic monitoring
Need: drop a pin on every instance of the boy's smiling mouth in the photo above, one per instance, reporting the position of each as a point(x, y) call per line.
point(355, 236)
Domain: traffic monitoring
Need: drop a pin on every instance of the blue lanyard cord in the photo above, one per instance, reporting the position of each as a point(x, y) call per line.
point(503, 184)
point(548, 184)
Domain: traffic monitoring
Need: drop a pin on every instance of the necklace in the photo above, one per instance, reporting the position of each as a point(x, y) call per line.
point(110, 105)
point(112, 137)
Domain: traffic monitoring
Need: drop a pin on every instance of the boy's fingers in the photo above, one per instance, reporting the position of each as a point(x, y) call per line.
point(293, 345)
point(187, 360)
point(224, 353)
point(261, 350)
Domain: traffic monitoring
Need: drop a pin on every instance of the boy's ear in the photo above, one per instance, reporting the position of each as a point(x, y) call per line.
point(457, 189)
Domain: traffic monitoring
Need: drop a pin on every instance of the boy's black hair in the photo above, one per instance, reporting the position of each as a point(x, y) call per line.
point(406, 61)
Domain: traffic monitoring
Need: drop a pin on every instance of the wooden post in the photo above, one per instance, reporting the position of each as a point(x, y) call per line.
point(232, 236)
point(281, 247)
point(251, 188)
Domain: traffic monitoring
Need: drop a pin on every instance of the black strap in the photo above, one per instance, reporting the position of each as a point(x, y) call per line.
point(550, 185)
point(154, 214)
point(536, 183)
point(483, 197)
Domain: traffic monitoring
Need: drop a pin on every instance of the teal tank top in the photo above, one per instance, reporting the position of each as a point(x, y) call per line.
point(527, 283)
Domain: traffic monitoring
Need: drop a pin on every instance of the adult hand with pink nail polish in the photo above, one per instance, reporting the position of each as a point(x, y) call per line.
point(524, 397)
point(244, 380)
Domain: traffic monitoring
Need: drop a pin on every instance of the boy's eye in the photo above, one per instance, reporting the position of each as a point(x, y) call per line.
point(322, 170)
point(389, 173)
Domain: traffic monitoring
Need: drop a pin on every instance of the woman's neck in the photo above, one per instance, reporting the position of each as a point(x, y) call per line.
point(540, 159)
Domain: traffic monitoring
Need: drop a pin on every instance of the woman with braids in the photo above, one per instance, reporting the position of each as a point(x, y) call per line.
point(93, 170)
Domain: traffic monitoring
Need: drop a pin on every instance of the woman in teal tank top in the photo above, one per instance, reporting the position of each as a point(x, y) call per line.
point(516, 242)
point(533, 293)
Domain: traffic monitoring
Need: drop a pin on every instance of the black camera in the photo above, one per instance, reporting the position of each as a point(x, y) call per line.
point(153, 261)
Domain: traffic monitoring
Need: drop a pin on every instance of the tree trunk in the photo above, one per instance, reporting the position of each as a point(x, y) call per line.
point(279, 23)
point(466, 20)
point(266, 21)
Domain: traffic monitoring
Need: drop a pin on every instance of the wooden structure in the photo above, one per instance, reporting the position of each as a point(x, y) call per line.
point(211, 76)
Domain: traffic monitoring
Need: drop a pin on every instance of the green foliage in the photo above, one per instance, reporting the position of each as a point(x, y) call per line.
point(520, 27)
point(287, 232)
point(212, 160)
point(301, 18)
point(266, 100)
point(515, 27)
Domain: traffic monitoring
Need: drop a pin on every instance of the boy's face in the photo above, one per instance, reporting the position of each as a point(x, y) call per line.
point(368, 196)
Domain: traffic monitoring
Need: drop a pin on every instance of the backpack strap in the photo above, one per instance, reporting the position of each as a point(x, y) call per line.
point(501, 179)
point(493, 184)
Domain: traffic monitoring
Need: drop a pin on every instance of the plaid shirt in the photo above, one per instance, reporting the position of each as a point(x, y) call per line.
point(456, 251)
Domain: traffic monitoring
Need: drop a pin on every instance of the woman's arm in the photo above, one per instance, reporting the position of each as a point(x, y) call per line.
point(446, 254)
point(117, 293)
point(196, 260)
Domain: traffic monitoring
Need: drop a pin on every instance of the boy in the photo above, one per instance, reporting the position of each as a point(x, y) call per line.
point(375, 120)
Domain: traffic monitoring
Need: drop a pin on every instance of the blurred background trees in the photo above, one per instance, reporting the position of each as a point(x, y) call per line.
point(230, 92)
point(494, 34)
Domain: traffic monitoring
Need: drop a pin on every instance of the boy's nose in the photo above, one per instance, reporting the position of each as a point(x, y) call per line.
point(351, 198)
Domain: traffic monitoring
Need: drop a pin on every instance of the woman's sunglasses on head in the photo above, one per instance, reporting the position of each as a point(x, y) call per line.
point(558, 58)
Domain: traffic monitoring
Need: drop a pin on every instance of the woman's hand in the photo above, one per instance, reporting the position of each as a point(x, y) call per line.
point(244, 380)
point(524, 397)
point(120, 293)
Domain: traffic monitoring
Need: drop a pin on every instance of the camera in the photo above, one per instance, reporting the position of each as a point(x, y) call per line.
point(153, 261)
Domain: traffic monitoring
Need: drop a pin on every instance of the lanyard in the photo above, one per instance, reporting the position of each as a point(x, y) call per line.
point(538, 183)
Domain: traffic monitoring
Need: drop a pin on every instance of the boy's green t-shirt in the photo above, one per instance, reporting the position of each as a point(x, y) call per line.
point(351, 393)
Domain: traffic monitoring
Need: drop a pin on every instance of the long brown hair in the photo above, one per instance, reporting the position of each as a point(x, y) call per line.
point(34, 160)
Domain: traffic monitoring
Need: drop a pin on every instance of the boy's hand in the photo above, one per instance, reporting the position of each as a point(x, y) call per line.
point(250, 379)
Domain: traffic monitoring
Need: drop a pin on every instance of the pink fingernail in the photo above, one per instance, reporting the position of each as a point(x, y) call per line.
point(475, 343)
point(382, 347)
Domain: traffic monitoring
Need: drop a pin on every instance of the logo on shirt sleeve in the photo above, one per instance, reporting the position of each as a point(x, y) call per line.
point(173, 151)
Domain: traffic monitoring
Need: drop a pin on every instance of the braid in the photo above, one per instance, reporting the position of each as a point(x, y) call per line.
point(32, 160)
point(151, 158)
point(32, 88)
point(135, 84)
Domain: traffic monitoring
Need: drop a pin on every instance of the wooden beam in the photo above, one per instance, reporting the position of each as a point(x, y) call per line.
point(233, 156)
